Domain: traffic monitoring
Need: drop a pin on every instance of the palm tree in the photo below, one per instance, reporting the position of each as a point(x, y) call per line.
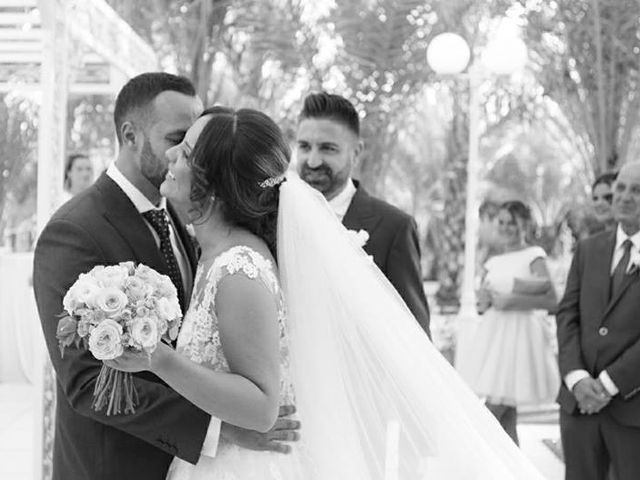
point(586, 54)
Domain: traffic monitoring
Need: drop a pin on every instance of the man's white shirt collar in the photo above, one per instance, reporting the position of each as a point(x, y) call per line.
point(340, 203)
point(621, 236)
point(142, 203)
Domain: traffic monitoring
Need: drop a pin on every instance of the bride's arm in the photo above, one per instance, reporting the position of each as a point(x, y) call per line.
point(248, 396)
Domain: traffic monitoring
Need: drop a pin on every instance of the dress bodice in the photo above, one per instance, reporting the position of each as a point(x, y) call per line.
point(503, 269)
point(199, 340)
point(199, 337)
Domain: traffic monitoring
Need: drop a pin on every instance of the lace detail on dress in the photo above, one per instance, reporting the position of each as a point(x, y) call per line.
point(199, 337)
point(199, 340)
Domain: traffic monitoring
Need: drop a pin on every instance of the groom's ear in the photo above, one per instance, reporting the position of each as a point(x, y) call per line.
point(129, 133)
point(357, 153)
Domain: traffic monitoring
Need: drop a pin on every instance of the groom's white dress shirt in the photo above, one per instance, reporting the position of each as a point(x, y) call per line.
point(575, 376)
point(142, 204)
point(341, 202)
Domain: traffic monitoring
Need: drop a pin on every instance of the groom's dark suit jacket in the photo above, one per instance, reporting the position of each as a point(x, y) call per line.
point(597, 333)
point(393, 243)
point(102, 227)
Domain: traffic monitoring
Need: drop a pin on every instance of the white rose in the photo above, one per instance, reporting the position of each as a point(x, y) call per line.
point(130, 266)
point(83, 291)
point(111, 301)
point(163, 327)
point(112, 276)
point(136, 289)
point(147, 274)
point(95, 271)
point(105, 341)
point(144, 331)
point(166, 288)
point(167, 309)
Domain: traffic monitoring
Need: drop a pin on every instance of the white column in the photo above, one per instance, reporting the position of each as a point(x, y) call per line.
point(51, 152)
point(472, 219)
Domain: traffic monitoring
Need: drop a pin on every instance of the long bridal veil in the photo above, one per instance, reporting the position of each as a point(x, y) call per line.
point(376, 399)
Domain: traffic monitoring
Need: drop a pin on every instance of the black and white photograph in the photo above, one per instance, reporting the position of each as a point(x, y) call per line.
point(319, 239)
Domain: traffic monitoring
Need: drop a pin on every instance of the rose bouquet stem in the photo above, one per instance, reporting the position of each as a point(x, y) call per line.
point(116, 391)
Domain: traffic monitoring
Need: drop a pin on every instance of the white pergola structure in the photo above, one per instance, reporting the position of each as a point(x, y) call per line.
point(51, 48)
point(57, 47)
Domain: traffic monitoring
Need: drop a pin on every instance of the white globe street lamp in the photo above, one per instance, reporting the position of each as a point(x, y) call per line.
point(448, 54)
point(506, 53)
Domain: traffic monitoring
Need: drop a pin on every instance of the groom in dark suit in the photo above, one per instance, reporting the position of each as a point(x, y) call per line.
point(328, 147)
point(599, 345)
point(122, 217)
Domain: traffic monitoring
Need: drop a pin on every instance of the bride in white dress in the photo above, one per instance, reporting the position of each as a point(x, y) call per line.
point(324, 330)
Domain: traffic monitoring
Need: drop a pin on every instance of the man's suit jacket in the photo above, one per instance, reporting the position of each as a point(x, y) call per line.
point(101, 226)
point(597, 333)
point(393, 243)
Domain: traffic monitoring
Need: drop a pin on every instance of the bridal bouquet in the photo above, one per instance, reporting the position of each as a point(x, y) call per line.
point(112, 308)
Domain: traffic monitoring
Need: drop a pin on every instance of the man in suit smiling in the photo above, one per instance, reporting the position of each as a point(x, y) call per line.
point(328, 147)
point(599, 345)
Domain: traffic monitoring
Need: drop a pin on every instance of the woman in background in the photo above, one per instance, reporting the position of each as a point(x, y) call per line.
point(78, 174)
point(601, 196)
point(507, 357)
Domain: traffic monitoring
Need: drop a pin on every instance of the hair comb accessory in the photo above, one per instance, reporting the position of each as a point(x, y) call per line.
point(272, 181)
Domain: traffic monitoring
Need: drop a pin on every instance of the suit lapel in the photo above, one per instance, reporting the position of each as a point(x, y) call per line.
point(187, 240)
point(602, 268)
point(128, 222)
point(361, 215)
point(626, 282)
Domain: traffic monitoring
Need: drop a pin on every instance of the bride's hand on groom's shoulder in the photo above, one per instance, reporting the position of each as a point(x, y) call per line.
point(285, 430)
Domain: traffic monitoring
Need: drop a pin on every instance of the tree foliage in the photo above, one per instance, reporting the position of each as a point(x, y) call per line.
point(18, 139)
point(91, 129)
point(269, 54)
point(586, 56)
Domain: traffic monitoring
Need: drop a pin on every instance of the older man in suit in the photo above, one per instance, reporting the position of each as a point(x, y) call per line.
point(328, 147)
point(599, 345)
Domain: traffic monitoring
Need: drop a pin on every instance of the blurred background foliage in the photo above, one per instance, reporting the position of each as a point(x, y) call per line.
point(545, 132)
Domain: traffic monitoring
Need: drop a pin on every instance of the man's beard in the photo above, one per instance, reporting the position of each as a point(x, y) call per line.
point(323, 179)
point(152, 168)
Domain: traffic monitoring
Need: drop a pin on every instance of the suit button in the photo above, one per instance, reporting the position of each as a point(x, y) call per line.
point(603, 331)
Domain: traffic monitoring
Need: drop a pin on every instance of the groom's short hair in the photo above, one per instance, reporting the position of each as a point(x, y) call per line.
point(140, 91)
point(331, 107)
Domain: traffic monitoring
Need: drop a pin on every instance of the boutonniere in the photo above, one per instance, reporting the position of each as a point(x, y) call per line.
point(358, 238)
point(634, 269)
point(190, 230)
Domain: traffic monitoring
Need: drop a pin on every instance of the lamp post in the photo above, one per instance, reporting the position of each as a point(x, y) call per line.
point(449, 54)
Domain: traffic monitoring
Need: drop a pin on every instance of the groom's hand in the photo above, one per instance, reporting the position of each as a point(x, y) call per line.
point(284, 430)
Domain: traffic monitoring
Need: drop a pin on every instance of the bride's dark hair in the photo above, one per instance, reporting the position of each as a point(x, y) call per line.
point(236, 152)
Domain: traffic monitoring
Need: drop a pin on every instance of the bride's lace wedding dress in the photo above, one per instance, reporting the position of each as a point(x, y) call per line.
point(375, 398)
point(199, 340)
